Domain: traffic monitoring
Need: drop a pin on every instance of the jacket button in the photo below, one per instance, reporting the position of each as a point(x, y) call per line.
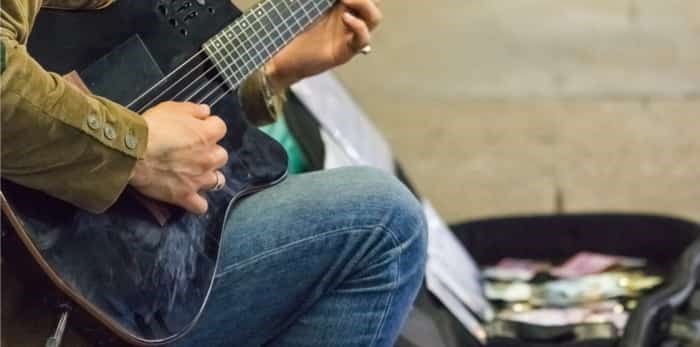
point(93, 122)
point(110, 133)
point(131, 141)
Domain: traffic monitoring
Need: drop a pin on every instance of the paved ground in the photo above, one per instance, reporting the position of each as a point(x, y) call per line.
point(497, 107)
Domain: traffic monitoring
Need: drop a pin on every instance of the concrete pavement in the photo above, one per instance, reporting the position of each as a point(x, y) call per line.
point(495, 106)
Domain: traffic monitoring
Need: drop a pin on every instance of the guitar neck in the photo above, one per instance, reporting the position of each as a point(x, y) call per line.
point(251, 40)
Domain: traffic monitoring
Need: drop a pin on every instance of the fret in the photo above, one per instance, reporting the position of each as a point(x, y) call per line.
point(233, 37)
point(307, 16)
point(304, 17)
point(268, 7)
point(295, 24)
point(254, 34)
point(247, 43)
point(218, 54)
point(238, 57)
point(318, 10)
point(247, 35)
point(279, 20)
point(227, 63)
point(248, 61)
point(232, 59)
point(268, 26)
point(256, 51)
point(248, 30)
point(217, 59)
point(274, 17)
point(266, 34)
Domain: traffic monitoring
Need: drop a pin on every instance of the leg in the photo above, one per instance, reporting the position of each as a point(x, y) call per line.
point(325, 259)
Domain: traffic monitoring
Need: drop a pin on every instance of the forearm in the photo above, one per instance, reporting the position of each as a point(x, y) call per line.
point(57, 139)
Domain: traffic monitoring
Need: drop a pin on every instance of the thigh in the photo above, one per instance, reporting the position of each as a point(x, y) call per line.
point(284, 247)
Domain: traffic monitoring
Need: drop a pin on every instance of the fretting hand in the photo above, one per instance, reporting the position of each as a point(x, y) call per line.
point(333, 40)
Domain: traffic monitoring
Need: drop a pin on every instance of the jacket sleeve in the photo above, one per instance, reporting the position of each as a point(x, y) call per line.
point(76, 147)
point(77, 4)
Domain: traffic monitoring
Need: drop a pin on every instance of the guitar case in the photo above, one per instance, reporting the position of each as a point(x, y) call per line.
point(671, 244)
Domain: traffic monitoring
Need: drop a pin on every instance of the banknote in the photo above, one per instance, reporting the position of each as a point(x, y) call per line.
point(512, 269)
point(588, 263)
point(598, 312)
point(571, 292)
point(592, 288)
point(509, 291)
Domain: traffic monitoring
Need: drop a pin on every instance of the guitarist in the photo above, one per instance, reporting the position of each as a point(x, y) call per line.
point(324, 259)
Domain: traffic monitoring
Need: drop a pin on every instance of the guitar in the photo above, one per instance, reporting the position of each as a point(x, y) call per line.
point(145, 282)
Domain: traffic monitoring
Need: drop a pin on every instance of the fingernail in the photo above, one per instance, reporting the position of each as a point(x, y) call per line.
point(348, 16)
point(205, 108)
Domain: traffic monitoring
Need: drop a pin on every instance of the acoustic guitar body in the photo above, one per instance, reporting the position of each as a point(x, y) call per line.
point(146, 282)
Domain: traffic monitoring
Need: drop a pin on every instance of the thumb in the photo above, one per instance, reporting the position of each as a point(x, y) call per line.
point(195, 203)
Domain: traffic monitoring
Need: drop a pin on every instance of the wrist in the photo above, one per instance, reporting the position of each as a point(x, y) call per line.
point(261, 101)
point(138, 178)
point(278, 79)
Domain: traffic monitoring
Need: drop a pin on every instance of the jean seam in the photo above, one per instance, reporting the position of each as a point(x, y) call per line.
point(280, 249)
point(397, 279)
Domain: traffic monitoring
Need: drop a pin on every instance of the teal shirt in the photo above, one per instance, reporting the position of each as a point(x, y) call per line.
point(279, 130)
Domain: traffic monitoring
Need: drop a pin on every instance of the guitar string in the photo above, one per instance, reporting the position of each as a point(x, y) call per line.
point(171, 86)
point(304, 9)
point(248, 42)
point(253, 57)
point(230, 65)
point(162, 80)
point(226, 187)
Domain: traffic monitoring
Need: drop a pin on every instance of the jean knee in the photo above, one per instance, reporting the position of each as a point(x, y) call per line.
point(403, 215)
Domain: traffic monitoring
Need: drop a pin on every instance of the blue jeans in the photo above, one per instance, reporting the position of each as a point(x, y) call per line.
point(325, 259)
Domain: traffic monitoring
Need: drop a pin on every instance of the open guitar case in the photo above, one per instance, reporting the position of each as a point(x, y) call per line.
point(668, 316)
point(661, 318)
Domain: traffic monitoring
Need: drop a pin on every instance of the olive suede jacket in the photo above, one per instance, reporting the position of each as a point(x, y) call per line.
point(74, 146)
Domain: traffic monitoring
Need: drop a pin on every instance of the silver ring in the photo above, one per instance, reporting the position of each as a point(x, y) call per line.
point(220, 181)
point(366, 50)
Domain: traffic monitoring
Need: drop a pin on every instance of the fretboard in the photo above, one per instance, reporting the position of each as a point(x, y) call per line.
point(252, 39)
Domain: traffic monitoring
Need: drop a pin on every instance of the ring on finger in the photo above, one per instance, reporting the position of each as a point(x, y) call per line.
point(220, 181)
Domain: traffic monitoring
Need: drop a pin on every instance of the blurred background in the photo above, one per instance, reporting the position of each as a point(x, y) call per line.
point(506, 107)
